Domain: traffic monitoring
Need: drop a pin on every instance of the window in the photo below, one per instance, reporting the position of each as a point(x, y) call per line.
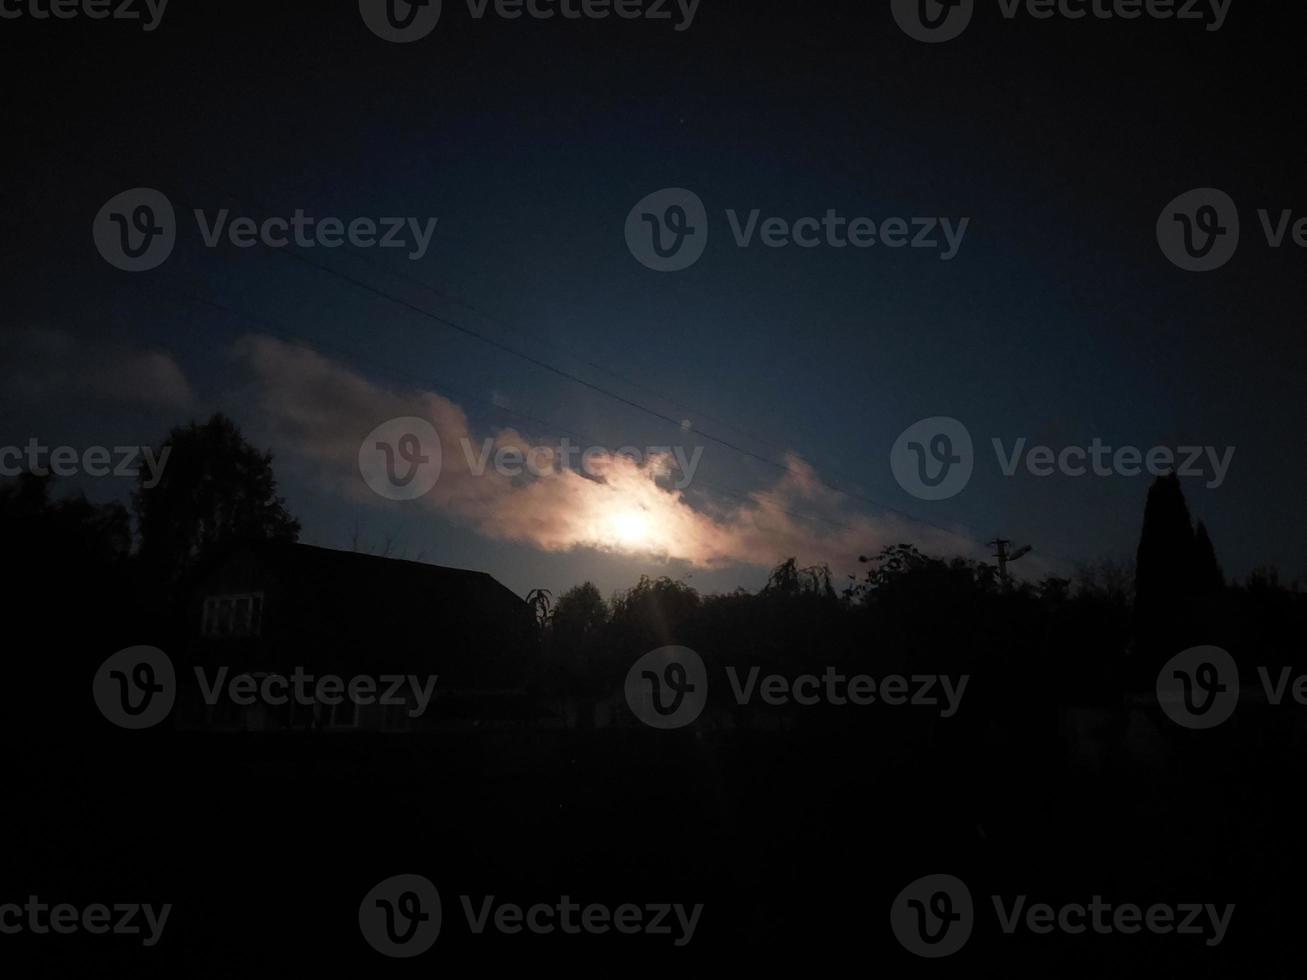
point(345, 714)
point(233, 615)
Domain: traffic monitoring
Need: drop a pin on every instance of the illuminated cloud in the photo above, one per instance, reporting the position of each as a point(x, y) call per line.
point(320, 411)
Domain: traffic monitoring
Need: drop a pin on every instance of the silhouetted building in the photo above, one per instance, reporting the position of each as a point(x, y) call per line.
point(269, 610)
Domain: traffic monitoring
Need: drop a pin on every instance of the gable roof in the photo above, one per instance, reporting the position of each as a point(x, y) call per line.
point(349, 611)
point(366, 574)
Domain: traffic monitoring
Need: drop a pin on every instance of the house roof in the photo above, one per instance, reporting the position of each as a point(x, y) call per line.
point(366, 573)
point(343, 609)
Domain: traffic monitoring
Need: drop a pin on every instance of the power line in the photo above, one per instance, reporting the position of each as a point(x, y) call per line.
point(442, 388)
point(604, 391)
point(421, 283)
point(290, 253)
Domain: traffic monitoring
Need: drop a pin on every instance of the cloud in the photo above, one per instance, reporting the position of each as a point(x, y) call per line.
point(320, 411)
point(48, 363)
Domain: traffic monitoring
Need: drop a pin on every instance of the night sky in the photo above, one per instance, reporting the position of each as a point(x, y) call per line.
point(1058, 320)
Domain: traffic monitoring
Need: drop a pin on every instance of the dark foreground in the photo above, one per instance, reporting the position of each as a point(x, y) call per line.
point(796, 845)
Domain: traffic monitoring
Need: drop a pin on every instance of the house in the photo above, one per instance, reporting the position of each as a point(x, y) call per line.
point(442, 647)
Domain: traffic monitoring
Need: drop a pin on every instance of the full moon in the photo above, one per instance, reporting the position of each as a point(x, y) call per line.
point(631, 528)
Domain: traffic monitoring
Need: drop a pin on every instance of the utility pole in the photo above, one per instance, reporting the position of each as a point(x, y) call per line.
point(1001, 553)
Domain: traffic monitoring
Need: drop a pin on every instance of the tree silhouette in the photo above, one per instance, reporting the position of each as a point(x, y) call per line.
point(1210, 578)
point(1175, 568)
point(788, 579)
point(71, 601)
point(540, 601)
point(1165, 566)
point(575, 641)
point(43, 529)
point(652, 614)
point(215, 490)
point(579, 615)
